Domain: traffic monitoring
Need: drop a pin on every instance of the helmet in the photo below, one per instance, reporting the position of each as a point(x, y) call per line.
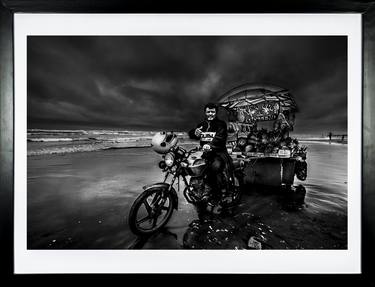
point(162, 142)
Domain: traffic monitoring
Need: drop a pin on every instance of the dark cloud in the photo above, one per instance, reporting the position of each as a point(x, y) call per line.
point(163, 82)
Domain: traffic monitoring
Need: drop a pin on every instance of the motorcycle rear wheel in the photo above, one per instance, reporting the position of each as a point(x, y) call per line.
point(150, 211)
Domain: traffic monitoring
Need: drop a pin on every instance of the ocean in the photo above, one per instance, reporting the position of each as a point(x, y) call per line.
point(42, 141)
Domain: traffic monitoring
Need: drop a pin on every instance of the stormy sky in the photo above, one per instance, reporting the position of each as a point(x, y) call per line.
point(163, 82)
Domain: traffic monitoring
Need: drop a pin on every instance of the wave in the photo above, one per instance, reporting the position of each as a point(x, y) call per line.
point(102, 139)
point(87, 132)
point(109, 132)
point(127, 139)
point(70, 141)
point(57, 139)
point(85, 148)
point(333, 142)
point(56, 131)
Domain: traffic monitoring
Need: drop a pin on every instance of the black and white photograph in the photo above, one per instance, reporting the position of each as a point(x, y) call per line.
point(215, 139)
point(118, 154)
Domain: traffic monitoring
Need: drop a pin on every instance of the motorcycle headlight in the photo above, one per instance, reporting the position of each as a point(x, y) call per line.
point(169, 159)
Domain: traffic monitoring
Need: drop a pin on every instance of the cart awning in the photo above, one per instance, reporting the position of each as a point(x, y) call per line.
point(254, 94)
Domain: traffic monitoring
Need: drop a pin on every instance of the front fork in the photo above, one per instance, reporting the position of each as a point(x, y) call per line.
point(166, 189)
point(186, 189)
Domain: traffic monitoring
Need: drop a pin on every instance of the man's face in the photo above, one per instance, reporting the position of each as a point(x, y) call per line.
point(210, 114)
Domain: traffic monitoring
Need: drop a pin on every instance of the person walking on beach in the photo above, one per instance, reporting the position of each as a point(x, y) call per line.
point(330, 136)
point(213, 134)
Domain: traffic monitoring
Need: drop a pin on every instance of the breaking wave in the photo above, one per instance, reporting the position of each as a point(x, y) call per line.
point(43, 142)
point(56, 139)
point(81, 148)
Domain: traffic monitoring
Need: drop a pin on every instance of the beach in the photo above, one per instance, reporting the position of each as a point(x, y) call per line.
point(81, 200)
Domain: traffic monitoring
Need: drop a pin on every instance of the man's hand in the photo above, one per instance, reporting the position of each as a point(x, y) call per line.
point(206, 147)
point(198, 132)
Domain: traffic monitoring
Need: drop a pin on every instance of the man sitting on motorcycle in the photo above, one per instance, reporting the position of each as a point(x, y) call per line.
point(212, 134)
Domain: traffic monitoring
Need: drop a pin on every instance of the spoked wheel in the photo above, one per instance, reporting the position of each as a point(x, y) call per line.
point(150, 211)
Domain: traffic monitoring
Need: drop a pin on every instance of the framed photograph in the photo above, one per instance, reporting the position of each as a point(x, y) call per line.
point(187, 143)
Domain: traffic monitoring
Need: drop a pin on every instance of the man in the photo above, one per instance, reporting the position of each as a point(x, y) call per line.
point(212, 134)
point(330, 136)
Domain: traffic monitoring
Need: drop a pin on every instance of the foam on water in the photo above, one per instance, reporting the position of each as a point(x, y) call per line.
point(43, 142)
point(84, 148)
point(56, 139)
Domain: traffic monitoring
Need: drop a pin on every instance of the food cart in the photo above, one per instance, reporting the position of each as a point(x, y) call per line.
point(260, 119)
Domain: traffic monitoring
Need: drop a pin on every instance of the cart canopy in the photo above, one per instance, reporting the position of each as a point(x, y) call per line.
point(262, 102)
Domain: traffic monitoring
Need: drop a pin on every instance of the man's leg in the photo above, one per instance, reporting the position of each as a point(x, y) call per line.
point(216, 174)
point(220, 169)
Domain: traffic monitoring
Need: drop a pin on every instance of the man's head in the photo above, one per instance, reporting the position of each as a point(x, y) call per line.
point(210, 110)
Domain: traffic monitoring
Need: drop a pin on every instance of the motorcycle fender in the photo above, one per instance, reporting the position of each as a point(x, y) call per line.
point(166, 186)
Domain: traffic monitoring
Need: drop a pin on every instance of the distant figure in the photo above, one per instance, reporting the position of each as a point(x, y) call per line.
point(342, 138)
point(330, 136)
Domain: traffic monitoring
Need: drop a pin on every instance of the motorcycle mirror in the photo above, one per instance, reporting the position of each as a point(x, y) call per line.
point(162, 164)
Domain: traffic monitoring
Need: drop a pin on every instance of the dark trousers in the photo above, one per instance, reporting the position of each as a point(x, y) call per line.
point(217, 172)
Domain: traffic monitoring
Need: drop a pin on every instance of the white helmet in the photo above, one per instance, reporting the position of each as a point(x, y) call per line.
point(162, 142)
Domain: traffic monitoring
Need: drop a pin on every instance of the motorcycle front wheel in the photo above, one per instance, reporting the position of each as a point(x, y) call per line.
point(150, 211)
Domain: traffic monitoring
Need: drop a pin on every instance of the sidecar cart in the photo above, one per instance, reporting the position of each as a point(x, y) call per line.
point(260, 119)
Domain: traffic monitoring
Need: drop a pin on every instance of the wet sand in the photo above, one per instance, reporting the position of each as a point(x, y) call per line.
point(82, 200)
point(269, 218)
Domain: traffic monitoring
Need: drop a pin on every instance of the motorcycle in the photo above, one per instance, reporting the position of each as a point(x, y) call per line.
point(154, 206)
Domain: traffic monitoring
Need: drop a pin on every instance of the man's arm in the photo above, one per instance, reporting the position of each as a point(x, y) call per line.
point(192, 133)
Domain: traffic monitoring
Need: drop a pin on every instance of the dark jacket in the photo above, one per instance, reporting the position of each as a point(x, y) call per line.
point(214, 133)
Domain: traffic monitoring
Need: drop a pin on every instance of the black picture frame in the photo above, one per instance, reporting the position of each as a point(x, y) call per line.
point(366, 8)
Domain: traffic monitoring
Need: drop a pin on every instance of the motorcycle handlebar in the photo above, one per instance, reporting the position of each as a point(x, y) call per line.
point(194, 150)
